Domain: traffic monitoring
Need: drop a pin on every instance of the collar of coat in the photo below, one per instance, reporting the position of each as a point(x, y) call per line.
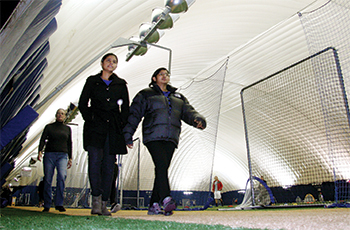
point(157, 88)
point(115, 79)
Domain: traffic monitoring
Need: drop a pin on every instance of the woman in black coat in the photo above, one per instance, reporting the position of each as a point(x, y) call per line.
point(163, 109)
point(104, 105)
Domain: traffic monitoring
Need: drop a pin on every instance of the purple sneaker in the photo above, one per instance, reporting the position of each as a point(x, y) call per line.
point(168, 213)
point(169, 205)
point(154, 210)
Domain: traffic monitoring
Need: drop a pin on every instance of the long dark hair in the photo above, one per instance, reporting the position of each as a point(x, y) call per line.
point(106, 55)
point(154, 75)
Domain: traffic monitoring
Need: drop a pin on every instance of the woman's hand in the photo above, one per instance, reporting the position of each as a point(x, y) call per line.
point(130, 146)
point(200, 125)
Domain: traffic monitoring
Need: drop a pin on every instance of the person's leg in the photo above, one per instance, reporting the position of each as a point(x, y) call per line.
point(107, 169)
point(161, 153)
point(155, 148)
point(94, 169)
point(168, 202)
point(108, 162)
point(61, 165)
point(41, 193)
point(107, 175)
point(113, 194)
point(219, 197)
point(216, 197)
point(115, 207)
point(169, 151)
point(49, 169)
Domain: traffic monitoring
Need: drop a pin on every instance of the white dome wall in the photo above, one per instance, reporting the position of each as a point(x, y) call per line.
point(259, 37)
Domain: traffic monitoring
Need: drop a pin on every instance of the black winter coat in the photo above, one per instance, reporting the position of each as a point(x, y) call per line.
point(158, 123)
point(104, 116)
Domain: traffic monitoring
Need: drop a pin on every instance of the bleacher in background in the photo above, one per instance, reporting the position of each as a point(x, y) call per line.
point(24, 47)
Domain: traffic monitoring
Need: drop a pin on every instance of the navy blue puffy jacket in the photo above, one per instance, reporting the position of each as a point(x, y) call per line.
point(158, 123)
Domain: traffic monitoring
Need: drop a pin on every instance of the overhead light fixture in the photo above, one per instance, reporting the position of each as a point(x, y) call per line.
point(141, 50)
point(169, 19)
point(145, 29)
point(178, 6)
point(161, 19)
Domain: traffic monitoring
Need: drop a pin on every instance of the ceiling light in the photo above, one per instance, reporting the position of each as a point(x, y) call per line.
point(178, 6)
point(145, 28)
point(138, 50)
point(161, 19)
point(169, 19)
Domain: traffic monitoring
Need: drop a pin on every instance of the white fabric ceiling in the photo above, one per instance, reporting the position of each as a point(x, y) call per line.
point(259, 37)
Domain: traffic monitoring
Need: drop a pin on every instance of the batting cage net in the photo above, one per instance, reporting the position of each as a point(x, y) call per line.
point(297, 128)
point(325, 27)
point(297, 120)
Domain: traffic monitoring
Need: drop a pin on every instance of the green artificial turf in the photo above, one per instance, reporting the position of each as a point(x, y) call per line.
point(23, 219)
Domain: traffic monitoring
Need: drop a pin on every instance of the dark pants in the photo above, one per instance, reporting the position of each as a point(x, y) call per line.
point(113, 198)
point(101, 166)
point(162, 153)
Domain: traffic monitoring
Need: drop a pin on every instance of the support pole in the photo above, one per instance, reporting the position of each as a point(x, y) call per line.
point(120, 175)
point(138, 173)
point(170, 53)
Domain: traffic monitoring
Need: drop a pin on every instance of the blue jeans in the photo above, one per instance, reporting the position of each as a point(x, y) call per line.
point(59, 161)
point(101, 168)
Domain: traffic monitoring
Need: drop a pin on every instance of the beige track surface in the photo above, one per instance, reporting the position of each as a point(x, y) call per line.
point(308, 218)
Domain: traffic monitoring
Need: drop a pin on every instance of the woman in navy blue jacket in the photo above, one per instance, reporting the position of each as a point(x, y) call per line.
point(162, 109)
point(104, 105)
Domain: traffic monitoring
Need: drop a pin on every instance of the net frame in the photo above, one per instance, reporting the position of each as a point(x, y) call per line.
point(328, 26)
point(326, 83)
